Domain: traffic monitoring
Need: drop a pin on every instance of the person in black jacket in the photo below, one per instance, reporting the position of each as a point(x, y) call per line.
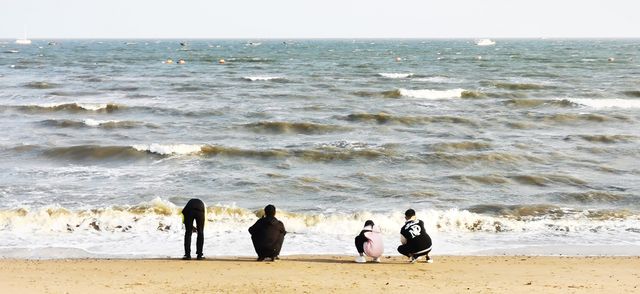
point(267, 235)
point(415, 240)
point(194, 210)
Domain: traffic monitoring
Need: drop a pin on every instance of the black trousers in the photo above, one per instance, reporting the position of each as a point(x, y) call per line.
point(411, 249)
point(268, 251)
point(198, 216)
point(360, 240)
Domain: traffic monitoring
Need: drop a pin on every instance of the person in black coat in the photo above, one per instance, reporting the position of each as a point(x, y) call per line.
point(414, 238)
point(267, 235)
point(194, 210)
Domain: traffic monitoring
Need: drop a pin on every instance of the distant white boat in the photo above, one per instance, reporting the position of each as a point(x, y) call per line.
point(485, 42)
point(24, 40)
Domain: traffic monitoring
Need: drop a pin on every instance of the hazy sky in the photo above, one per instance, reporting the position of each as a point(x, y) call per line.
point(318, 19)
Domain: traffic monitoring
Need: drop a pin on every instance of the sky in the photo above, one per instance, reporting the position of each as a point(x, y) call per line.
point(319, 18)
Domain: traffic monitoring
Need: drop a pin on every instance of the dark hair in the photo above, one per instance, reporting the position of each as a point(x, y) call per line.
point(270, 210)
point(368, 223)
point(409, 213)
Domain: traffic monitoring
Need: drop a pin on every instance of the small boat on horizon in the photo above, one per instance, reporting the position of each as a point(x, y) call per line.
point(24, 40)
point(485, 42)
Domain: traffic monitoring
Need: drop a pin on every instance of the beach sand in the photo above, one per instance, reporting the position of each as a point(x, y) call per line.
point(324, 274)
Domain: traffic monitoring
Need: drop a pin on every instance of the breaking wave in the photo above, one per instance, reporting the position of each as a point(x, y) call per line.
point(71, 107)
point(338, 151)
point(328, 152)
point(169, 149)
point(395, 75)
point(518, 211)
point(106, 124)
point(422, 94)
point(264, 78)
point(161, 217)
point(94, 152)
point(108, 108)
point(432, 94)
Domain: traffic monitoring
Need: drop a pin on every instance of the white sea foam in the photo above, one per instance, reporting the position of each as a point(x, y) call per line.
point(396, 75)
point(607, 103)
point(169, 149)
point(432, 94)
point(154, 228)
point(93, 106)
point(263, 78)
point(95, 123)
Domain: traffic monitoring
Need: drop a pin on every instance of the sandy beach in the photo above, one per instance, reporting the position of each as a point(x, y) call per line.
point(325, 274)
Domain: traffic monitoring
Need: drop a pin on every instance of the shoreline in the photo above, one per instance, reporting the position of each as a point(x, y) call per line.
point(324, 273)
point(61, 253)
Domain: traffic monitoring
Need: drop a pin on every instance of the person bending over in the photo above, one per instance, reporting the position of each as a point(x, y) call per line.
point(267, 235)
point(369, 242)
point(194, 210)
point(415, 240)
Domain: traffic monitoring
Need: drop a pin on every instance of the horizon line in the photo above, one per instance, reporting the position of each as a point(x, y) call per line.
point(328, 38)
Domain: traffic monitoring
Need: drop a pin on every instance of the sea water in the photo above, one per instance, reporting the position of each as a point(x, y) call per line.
point(524, 146)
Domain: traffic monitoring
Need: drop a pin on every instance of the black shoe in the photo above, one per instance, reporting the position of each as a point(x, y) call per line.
point(260, 258)
point(277, 258)
point(186, 257)
point(200, 257)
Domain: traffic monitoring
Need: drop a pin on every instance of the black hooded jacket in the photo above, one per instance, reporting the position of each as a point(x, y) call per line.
point(267, 232)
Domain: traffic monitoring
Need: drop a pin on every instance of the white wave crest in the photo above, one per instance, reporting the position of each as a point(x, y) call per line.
point(607, 103)
point(95, 123)
point(170, 149)
point(432, 94)
point(85, 106)
point(93, 106)
point(395, 75)
point(224, 218)
point(157, 228)
point(263, 78)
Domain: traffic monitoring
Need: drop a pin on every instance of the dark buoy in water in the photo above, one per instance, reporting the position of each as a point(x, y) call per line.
point(611, 59)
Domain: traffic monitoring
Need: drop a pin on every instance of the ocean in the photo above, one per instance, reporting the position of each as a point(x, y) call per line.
point(525, 146)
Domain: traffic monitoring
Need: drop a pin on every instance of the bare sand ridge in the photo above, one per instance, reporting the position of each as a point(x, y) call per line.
point(325, 274)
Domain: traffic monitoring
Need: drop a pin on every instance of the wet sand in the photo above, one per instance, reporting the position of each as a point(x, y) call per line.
point(324, 274)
